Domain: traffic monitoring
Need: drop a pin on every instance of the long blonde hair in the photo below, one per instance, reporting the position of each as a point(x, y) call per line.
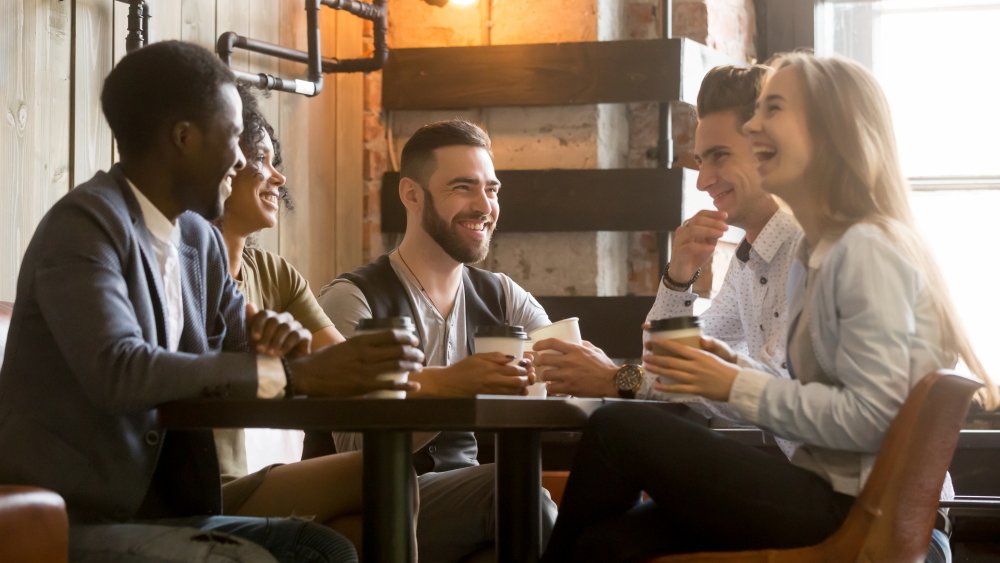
point(855, 177)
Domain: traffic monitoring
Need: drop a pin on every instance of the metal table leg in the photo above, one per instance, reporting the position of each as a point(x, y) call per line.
point(388, 524)
point(518, 496)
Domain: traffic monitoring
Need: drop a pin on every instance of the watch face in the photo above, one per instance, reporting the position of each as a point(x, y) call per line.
point(629, 377)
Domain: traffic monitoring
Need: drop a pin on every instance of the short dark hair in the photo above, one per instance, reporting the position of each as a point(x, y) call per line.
point(731, 88)
point(254, 127)
point(417, 161)
point(169, 80)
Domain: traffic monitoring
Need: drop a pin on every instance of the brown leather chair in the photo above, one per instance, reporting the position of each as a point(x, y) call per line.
point(33, 521)
point(892, 519)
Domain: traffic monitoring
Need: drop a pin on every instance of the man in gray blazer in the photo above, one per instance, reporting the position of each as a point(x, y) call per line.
point(124, 302)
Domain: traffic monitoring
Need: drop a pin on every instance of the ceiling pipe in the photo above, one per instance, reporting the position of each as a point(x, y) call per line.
point(138, 24)
point(316, 63)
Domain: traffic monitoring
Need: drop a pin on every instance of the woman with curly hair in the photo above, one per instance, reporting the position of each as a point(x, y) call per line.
point(328, 488)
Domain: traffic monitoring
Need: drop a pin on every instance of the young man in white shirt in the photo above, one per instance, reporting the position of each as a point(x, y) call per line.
point(748, 314)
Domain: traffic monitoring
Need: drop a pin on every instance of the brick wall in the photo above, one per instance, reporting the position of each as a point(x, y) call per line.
point(572, 137)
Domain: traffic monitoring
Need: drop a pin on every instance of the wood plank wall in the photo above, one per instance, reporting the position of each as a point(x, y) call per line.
point(34, 143)
point(54, 56)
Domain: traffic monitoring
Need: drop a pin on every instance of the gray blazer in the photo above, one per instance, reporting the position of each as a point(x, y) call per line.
point(86, 361)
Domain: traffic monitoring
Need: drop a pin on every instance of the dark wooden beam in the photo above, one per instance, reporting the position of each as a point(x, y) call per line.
point(546, 74)
point(628, 199)
point(613, 324)
point(784, 25)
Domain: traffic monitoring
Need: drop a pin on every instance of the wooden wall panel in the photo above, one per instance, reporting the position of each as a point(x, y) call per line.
point(93, 43)
point(233, 15)
point(34, 146)
point(48, 149)
point(263, 24)
point(321, 244)
point(309, 146)
point(294, 121)
point(198, 22)
point(348, 223)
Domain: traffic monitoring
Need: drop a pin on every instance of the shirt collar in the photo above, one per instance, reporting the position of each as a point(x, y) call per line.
point(743, 251)
point(780, 228)
point(159, 226)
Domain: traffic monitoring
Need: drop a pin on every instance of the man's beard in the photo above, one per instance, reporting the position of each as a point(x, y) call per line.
point(450, 241)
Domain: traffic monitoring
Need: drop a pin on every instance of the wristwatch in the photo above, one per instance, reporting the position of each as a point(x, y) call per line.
point(628, 380)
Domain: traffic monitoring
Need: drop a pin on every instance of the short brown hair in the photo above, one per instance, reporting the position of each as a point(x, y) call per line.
point(731, 88)
point(417, 161)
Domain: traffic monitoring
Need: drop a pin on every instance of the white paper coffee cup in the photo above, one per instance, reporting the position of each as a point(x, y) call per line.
point(567, 330)
point(372, 326)
point(683, 330)
point(511, 341)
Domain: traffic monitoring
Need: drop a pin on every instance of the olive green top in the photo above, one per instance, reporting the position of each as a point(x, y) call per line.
point(269, 282)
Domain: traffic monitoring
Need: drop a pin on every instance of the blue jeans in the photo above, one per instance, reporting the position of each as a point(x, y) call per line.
point(210, 539)
point(940, 549)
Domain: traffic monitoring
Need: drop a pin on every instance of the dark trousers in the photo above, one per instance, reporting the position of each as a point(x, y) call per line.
point(709, 493)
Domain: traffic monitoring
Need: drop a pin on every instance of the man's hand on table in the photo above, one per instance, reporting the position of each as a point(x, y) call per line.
point(276, 334)
point(578, 370)
point(350, 368)
point(486, 373)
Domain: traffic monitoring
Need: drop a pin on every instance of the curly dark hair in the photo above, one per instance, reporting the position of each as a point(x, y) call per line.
point(254, 127)
point(164, 81)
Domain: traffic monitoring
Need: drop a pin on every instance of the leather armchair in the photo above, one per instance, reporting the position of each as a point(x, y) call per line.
point(33, 522)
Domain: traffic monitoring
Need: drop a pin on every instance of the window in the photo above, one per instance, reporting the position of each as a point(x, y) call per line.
point(936, 61)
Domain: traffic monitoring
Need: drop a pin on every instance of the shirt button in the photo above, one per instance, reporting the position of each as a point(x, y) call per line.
point(784, 365)
point(152, 438)
point(762, 326)
point(432, 449)
point(687, 302)
point(763, 280)
point(775, 314)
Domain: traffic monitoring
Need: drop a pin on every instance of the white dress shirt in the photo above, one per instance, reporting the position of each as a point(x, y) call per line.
point(750, 311)
point(166, 237)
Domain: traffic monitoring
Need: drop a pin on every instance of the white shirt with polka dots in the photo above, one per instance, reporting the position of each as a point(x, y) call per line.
point(749, 313)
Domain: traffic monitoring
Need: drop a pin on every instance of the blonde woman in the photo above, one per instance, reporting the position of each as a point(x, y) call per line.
point(869, 315)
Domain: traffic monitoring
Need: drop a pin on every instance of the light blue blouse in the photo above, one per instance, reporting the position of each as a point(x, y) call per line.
point(869, 333)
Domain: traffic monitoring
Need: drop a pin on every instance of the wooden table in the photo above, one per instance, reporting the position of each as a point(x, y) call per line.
point(387, 425)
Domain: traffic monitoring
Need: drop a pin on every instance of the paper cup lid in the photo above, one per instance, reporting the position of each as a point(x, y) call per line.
point(675, 323)
point(386, 323)
point(501, 331)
